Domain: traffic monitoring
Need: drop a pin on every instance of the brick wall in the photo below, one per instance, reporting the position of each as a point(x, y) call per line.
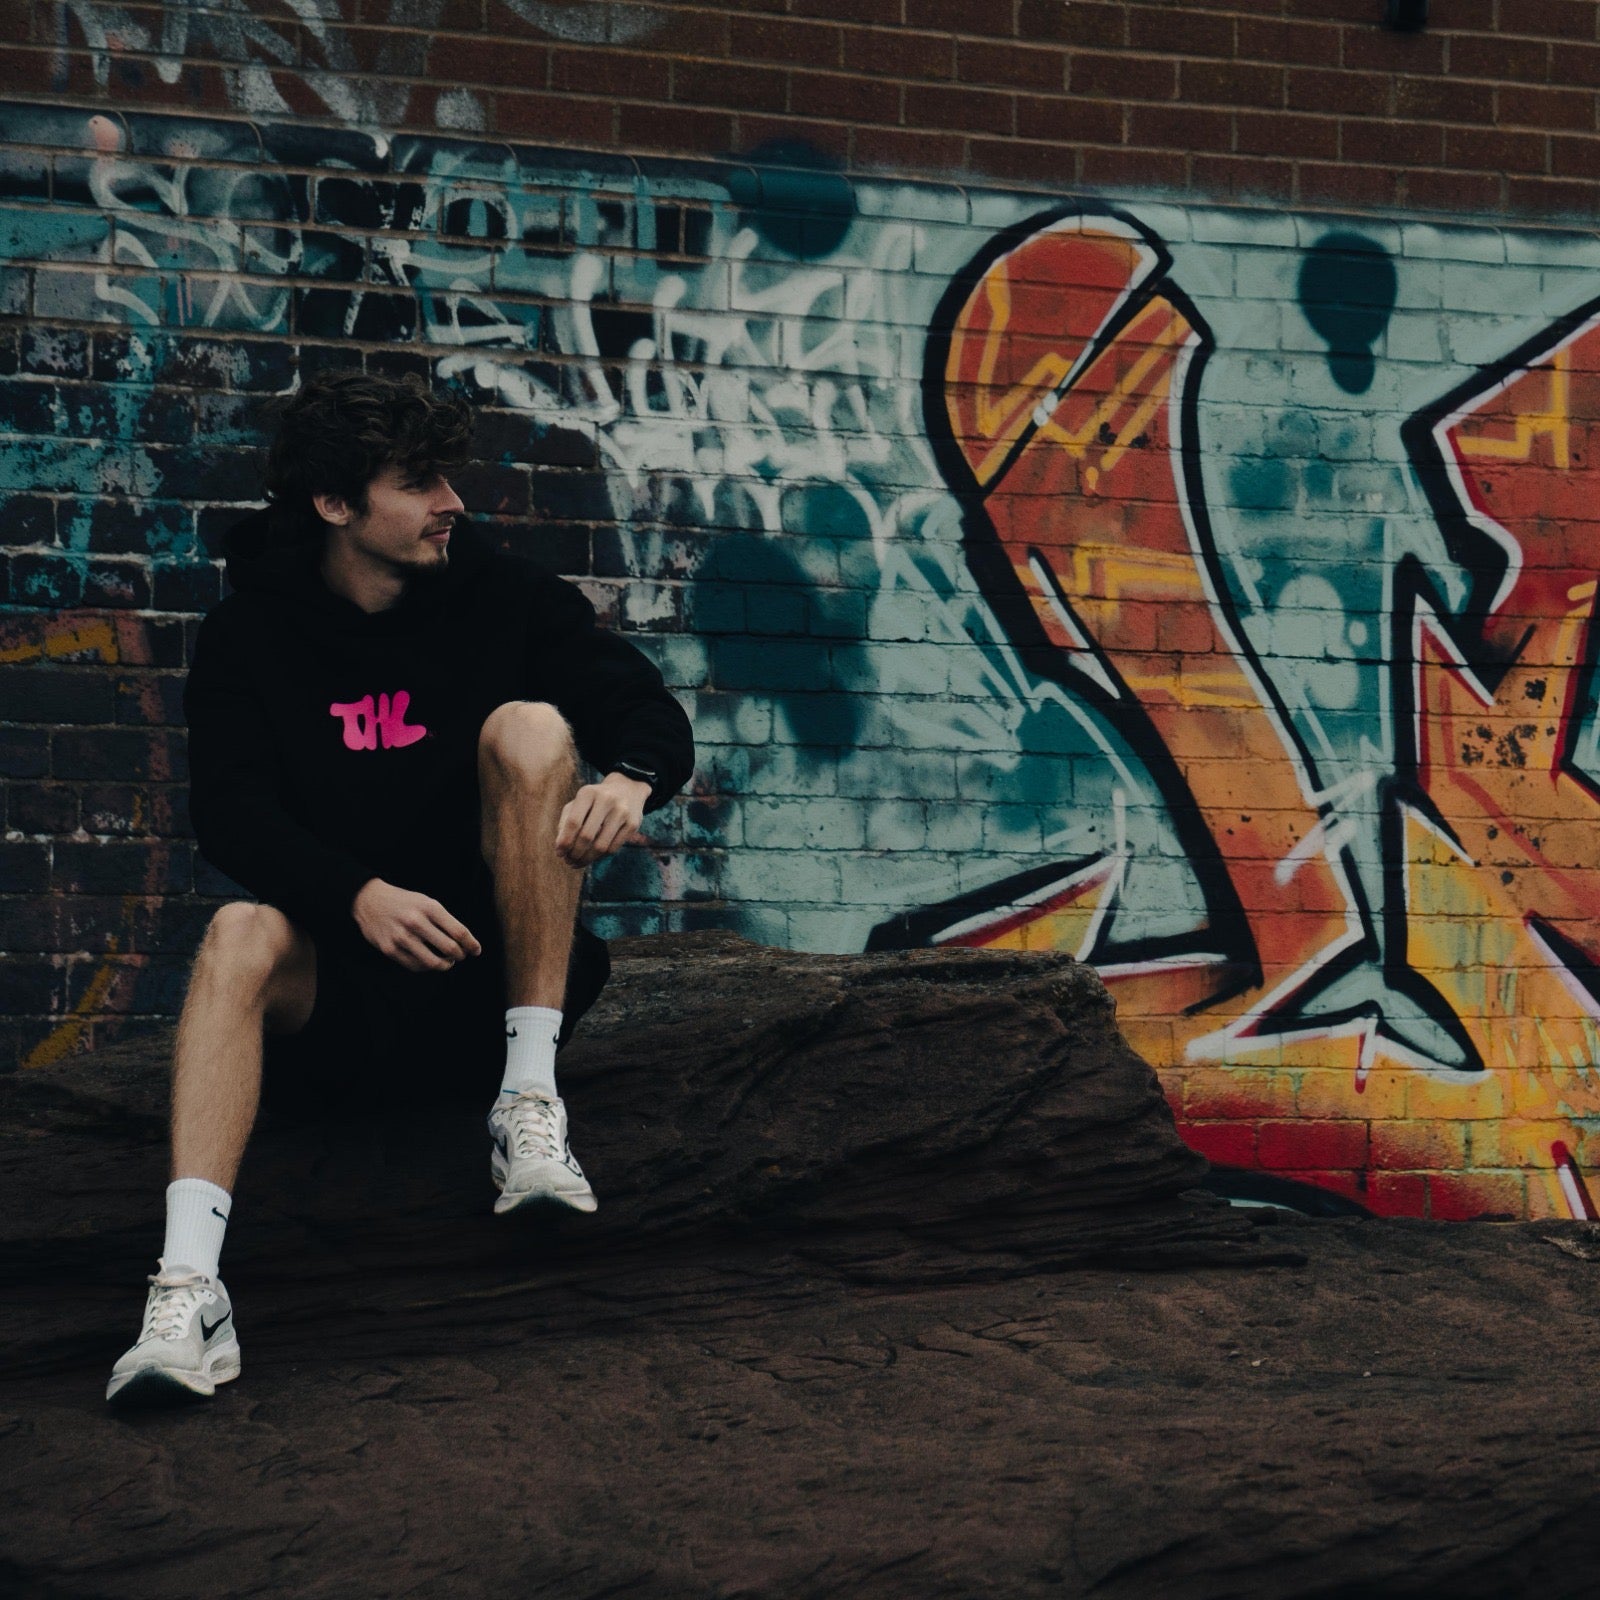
point(1490, 109)
point(1068, 529)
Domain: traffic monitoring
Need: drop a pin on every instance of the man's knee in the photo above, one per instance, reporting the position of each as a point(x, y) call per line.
point(528, 738)
point(249, 942)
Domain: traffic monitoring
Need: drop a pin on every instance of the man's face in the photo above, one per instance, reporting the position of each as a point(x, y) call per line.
point(406, 526)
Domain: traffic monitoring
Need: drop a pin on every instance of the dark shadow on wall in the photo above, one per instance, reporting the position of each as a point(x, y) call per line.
point(1347, 290)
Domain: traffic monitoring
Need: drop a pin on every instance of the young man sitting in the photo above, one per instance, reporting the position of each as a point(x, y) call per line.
point(386, 719)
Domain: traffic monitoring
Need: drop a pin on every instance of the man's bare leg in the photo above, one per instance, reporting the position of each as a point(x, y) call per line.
point(255, 972)
point(527, 772)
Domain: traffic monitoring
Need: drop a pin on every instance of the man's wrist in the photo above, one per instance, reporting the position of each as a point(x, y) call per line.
point(635, 772)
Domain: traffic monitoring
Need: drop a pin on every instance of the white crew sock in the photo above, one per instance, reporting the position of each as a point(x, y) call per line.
point(197, 1218)
point(531, 1050)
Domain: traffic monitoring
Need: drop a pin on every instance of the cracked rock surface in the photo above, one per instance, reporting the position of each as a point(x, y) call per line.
point(867, 1308)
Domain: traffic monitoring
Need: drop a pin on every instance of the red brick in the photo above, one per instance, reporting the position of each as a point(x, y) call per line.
point(959, 110)
point(1179, 128)
point(1500, 59)
point(617, 73)
point(1351, 94)
point(1301, 1145)
point(1553, 197)
point(886, 12)
point(1577, 64)
point(1281, 43)
point(898, 53)
point(1084, 23)
point(1279, 133)
point(1383, 50)
point(826, 94)
point(25, 69)
point(696, 32)
point(904, 150)
point(1550, 19)
point(832, 138)
point(1337, 10)
point(1462, 193)
point(1122, 77)
point(557, 118)
point(674, 128)
point(1543, 109)
point(1230, 83)
point(1016, 66)
point(1241, 178)
point(1134, 169)
point(1488, 150)
point(1444, 100)
point(1081, 121)
point(1176, 30)
point(1227, 1144)
point(941, 16)
point(474, 59)
point(1018, 161)
point(1466, 16)
point(734, 85)
point(1397, 1194)
point(1574, 157)
point(796, 44)
point(1345, 185)
point(1388, 144)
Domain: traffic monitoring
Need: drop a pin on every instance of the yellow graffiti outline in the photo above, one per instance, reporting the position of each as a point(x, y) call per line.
point(1556, 422)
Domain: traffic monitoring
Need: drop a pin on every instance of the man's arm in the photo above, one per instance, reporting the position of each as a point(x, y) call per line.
point(620, 709)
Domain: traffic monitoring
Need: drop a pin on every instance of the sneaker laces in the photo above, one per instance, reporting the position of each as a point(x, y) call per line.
point(532, 1125)
point(173, 1302)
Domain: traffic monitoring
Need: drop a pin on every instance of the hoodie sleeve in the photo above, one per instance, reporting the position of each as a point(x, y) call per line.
point(611, 693)
point(235, 794)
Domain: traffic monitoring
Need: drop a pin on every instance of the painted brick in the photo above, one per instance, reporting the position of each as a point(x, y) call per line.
point(1460, 1198)
point(1292, 1146)
point(963, 776)
point(1224, 1144)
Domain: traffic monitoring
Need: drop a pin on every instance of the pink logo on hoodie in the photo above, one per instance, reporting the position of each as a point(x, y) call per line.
point(365, 724)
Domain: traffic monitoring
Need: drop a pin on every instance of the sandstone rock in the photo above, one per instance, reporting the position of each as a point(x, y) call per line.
point(859, 1314)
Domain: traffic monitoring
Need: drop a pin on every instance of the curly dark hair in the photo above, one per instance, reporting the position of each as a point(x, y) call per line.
point(345, 426)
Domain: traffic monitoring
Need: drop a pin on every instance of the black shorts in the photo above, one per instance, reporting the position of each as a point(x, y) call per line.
point(430, 1037)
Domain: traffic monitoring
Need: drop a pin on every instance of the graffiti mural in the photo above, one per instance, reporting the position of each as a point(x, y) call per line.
point(1203, 593)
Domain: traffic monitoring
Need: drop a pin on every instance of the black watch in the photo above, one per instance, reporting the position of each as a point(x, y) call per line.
point(632, 769)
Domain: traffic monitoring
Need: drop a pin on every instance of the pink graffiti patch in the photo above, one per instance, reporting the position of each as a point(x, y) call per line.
point(366, 724)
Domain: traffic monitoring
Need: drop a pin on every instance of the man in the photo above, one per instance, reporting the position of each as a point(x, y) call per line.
point(385, 724)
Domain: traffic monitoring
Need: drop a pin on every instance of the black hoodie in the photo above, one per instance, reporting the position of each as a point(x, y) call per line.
point(328, 745)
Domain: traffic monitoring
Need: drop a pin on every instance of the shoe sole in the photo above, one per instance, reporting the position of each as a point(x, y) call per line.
point(544, 1200)
point(152, 1387)
point(541, 1199)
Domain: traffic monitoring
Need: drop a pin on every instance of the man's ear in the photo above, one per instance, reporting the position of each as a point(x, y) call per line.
point(332, 508)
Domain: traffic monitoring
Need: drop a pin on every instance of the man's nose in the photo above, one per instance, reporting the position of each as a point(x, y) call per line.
point(451, 502)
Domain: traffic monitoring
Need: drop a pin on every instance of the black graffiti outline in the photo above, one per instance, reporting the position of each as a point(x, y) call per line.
point(1226, 931)
point(1485, 562)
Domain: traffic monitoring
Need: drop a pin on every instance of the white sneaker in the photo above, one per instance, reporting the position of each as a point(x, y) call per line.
point(186, 1347)
point(530, 1159)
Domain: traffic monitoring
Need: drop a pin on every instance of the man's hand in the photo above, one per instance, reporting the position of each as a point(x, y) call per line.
point(410, 928)
point(600, 818)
